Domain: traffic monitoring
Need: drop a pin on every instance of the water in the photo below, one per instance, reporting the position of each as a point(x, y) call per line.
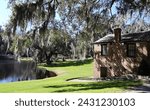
point(11, 71)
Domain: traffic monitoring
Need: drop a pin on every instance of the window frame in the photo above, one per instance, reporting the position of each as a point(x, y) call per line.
point(131, 50)
point(104, 47)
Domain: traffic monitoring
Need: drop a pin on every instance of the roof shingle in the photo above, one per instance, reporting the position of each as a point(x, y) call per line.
point(132, 37)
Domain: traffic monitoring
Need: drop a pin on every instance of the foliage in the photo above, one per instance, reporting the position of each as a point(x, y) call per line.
point(50, 44)
point(5, 42)
point(20, 45)
point(82, 21)
point(41, 11)
point(138, 26)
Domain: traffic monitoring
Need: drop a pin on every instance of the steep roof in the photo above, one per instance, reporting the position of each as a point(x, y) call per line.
point(106, 39)
point(132, 37)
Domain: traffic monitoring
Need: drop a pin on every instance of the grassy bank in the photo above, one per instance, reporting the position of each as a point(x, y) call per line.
point(68, 70)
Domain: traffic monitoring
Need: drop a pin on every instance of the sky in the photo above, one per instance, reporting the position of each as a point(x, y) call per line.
point(4, 12)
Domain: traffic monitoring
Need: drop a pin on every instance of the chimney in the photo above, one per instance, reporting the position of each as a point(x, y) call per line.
point(117, 33)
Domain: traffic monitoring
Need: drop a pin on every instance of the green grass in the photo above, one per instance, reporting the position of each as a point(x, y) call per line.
point(68, 70)
point(26, 59)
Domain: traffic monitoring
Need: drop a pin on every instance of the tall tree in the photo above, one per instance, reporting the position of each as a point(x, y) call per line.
point(43, 11)
point(50, 44)
point(82, 19)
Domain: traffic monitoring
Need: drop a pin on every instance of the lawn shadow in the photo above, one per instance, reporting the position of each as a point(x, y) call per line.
point(69, 63)
point(93, 86)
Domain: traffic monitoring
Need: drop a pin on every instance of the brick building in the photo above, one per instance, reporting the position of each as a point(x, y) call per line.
point(117, 54)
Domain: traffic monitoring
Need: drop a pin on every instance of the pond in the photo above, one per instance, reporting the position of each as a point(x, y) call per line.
point(12, 70)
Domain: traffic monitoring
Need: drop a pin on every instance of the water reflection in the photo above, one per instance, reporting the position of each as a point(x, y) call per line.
point(11, 71)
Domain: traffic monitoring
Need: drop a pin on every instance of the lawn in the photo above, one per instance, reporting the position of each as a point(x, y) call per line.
point(68, 70)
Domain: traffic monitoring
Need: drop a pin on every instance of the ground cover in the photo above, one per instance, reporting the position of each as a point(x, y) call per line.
point(68, 70)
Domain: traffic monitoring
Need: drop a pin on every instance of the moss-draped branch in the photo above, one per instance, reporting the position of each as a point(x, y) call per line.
point(40, 10)
point(25, 11)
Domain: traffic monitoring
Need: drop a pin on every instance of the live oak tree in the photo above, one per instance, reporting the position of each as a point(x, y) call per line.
point(83, 20)
point(39, 15)
point(43, 11)
point(5, 41)
point(52, 43)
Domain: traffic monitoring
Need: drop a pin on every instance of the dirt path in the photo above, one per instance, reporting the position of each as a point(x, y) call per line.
point(145, 88)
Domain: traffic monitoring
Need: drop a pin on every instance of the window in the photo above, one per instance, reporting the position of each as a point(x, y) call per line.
point(104, 49)
point(131, 50)
point(103, 71)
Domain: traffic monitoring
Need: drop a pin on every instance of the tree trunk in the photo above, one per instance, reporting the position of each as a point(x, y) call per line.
point(48, 58)
point(73, 51)
point(40, 56)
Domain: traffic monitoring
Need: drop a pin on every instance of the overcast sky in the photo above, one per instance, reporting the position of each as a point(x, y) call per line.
point(4, 12)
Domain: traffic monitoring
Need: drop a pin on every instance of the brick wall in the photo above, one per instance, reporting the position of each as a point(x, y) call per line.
point(117, 62)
